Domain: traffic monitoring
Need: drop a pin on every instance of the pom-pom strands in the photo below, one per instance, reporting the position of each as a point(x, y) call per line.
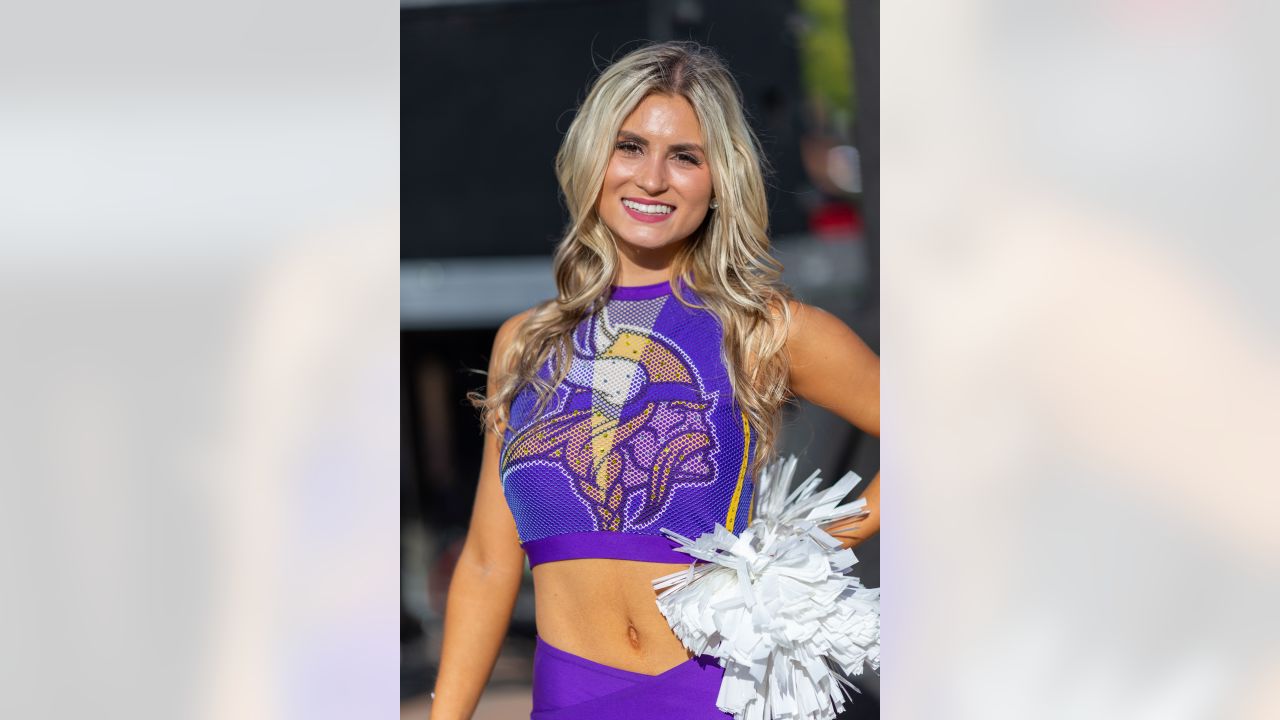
point(776, 604)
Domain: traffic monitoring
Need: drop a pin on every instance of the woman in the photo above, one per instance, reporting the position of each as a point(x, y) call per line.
point(645, 396)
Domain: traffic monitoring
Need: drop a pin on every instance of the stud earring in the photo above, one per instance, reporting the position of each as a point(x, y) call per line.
point(714, 203)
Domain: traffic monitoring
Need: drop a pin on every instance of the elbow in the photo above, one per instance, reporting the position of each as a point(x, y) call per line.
point(488, 564)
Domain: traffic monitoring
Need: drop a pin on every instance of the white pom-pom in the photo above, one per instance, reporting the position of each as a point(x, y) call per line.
point(776, 604)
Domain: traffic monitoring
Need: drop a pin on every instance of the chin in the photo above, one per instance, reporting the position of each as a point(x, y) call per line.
point(640, 236)
point(643, 243)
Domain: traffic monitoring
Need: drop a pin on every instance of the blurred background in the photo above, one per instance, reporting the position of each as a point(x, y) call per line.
point(487, 91)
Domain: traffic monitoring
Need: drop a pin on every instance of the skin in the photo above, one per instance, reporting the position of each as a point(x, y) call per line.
point(658, 158)
point(604, 609)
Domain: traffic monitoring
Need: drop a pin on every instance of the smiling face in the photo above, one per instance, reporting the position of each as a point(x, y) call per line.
point(657, 188)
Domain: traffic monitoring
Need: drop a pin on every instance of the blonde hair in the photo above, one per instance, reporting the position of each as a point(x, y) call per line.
point(726, 261)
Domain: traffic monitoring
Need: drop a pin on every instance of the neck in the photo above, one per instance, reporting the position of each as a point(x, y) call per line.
point(645, 266)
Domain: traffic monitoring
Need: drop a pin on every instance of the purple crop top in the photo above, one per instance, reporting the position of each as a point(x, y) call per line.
point(644, 433)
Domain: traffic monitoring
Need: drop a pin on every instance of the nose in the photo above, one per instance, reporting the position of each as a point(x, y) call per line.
point(652, 175)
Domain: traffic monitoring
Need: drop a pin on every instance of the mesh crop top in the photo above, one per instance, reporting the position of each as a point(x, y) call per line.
point(644, 433)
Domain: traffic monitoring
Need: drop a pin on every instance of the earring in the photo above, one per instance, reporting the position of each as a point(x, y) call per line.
point(714, 203)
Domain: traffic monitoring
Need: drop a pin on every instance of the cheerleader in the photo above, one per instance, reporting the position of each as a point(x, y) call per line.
point(641, 401)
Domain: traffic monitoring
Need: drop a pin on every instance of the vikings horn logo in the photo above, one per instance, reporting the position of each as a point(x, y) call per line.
point(664, 441)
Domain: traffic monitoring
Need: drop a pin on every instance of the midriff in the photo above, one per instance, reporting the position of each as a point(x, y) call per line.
point(606, 611)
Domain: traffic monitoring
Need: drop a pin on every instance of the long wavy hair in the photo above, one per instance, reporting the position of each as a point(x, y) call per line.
point(726, 261)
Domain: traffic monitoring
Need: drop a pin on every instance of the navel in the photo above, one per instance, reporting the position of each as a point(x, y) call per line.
point(633, 635)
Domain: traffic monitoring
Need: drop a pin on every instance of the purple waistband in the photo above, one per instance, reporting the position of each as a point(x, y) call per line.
point(598, 544)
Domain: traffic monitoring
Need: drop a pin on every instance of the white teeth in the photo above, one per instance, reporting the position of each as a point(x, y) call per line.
point(649, 209)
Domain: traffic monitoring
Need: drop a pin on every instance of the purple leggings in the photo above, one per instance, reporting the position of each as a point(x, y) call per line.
point(569, 687)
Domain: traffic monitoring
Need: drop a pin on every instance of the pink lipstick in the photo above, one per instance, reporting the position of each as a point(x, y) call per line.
point(646, 217)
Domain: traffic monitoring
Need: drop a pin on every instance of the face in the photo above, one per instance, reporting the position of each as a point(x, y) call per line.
point(657, 188)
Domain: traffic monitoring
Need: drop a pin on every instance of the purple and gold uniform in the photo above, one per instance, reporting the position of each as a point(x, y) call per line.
point(642, 434)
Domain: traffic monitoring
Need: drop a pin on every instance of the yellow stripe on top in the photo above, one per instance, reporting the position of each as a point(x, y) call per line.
point(742, 474)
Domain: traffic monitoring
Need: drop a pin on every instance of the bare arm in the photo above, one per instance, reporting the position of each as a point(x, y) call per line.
point(483, 590)
point(832, 367)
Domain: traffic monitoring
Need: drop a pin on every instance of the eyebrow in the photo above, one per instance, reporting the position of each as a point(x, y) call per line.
point(678, 147)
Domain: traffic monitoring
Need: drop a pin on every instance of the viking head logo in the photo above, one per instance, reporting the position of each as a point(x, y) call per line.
point(646, 430)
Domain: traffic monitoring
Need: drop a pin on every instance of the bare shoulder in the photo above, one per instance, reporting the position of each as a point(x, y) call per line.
point(812, 325)
point(831, 366)
point(508, 331)
point(510, 327)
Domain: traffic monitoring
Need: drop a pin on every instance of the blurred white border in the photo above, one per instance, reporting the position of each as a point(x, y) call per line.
point(1079, 336)
point(199, 211)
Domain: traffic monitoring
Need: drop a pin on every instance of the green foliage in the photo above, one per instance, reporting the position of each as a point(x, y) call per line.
point(826, 59)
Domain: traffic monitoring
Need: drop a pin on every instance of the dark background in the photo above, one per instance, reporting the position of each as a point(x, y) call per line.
point(482, 120)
